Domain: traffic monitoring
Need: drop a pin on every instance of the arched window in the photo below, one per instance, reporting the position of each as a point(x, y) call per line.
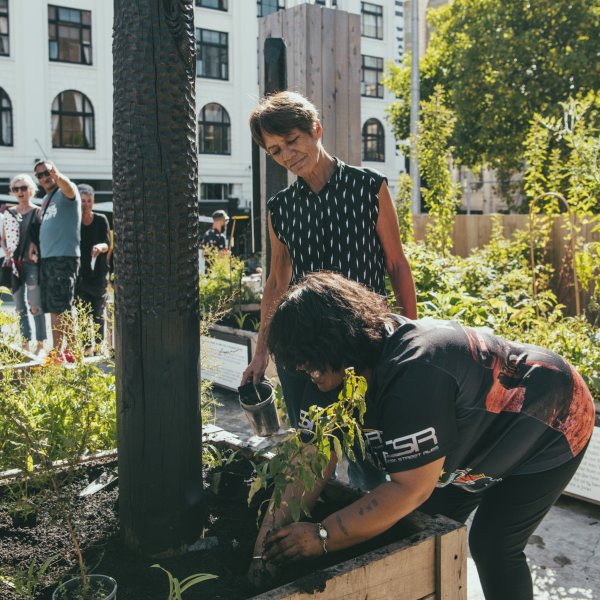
point(72, 121)
point(6, 132)
point(373, 139)
point(214, 130)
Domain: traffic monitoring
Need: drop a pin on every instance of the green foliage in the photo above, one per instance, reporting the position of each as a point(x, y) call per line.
point(54, 413)
point(404, 208)
point(440, 194)
point(492, 287)
point(500, 63)
point(297, 460)
point(177, 588)
point(25, 582)
point(563, 156)
point(221, 288)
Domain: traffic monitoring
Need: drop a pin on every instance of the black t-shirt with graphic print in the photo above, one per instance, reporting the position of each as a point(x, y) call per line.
point(493, 408)
point(334, 230)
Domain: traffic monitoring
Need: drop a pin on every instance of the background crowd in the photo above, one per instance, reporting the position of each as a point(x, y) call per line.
point(53, 255)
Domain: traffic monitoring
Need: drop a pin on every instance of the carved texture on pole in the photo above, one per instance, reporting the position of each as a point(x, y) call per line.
point(154, 156)
point(155, 174)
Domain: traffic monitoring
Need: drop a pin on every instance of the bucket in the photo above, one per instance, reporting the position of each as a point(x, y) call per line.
point(101, 586)
point(258, 402)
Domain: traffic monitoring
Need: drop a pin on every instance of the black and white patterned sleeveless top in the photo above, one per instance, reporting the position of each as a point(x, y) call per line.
point(333, 230)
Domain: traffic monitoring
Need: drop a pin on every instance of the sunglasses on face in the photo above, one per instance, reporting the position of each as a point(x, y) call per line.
point(19, 188)
point(41, 174)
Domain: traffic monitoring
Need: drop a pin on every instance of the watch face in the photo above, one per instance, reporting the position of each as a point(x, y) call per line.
point(322, 532)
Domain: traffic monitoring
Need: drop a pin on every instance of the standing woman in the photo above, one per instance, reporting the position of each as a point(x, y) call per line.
point(20, 234)
point(92, 279)
point(333, 217)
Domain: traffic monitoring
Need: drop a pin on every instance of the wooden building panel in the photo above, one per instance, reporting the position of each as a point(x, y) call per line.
point(353, 124)
point(342, 81)
point(328, 70)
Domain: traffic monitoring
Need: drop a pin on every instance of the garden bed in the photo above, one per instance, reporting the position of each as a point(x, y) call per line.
point(429, 553)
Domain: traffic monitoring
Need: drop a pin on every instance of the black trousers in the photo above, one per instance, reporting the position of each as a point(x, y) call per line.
point(94, 293)
point(507, 514)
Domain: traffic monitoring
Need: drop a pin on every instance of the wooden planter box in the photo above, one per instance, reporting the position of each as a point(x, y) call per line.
point(429, 563)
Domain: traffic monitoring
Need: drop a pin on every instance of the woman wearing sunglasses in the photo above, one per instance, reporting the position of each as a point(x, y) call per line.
point(21, 229)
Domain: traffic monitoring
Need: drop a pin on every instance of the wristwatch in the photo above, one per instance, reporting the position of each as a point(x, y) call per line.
point(323, 536)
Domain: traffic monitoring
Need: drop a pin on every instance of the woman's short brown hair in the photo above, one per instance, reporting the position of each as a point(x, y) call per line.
point(279, 113)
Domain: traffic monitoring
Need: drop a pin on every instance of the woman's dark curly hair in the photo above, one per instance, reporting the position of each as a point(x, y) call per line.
point(326, 320)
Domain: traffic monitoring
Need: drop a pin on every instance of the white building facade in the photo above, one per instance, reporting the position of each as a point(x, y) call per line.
point(56, 89)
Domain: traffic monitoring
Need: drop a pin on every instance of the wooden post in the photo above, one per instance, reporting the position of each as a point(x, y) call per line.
point(155, 175)
point(323, 63)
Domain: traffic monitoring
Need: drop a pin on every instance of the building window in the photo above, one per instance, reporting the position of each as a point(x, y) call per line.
point(214, 130)
point(6, 133)
point(266, 7)
point(371, 20)
point(4, 51)
point(373, 139)
point(70, 35)
point(372, 73)
point(216, 191)
point(212, 59)
point(72, 121)
point(216, 4)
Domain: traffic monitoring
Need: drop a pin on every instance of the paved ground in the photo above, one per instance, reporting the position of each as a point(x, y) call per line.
point(564, 552)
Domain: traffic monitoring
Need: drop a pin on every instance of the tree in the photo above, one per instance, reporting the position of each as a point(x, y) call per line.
point(500, 62)
point(156, 288)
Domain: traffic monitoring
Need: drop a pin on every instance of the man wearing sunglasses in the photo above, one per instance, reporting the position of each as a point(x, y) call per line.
point(59, 245)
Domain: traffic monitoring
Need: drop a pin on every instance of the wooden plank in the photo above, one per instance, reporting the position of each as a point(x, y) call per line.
point(328, 68)
point(451, 565)
point(295, 26)
point(313, 66)
point(342, 91)
point(387, 574)
point(354, 124)
point(288, 26)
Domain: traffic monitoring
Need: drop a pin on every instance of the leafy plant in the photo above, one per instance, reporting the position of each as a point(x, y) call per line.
point(221, 287)
point(440, 194)
point(25, 582)
point(500, 63)
point(177, 588)
point(304, 455)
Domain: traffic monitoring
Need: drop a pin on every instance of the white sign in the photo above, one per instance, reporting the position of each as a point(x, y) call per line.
point(586, 481)
point(225, 361)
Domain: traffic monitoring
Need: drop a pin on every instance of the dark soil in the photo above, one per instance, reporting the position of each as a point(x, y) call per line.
point(228, 538)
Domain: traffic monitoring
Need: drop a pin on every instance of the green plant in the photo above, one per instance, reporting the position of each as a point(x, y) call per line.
point(25, 582)
point(240, 319)
point(221, 287)
point(404, 208)
point(440, 194)
point(304, 456)
point(214, 458)
point(177, 588)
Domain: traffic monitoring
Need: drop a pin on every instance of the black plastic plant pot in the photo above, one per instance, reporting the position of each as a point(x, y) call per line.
point(258, 402)
point(100, 587)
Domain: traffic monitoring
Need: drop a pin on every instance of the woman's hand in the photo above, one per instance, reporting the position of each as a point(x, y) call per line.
point(99, 249)
point(33, 254)
point(294, 542)
point(257, 367)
